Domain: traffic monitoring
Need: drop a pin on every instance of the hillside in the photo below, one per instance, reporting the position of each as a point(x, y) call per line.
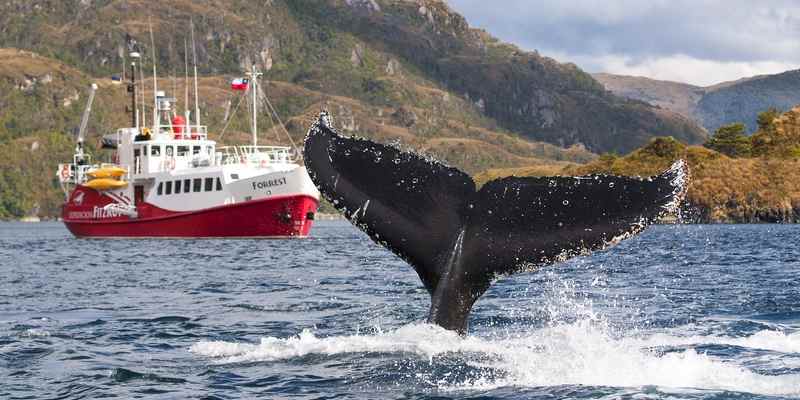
point(405, 71)
point(34, 142)
point(351, 48)
point(679, 97)
point(713, 106)
point(765, 188)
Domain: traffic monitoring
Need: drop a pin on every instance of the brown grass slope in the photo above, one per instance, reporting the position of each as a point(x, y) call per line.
point(722, 189)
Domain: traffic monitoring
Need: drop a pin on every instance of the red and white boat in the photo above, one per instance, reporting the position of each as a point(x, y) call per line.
point(170, 180)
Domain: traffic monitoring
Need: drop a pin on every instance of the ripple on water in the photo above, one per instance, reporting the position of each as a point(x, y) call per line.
point(705, 312)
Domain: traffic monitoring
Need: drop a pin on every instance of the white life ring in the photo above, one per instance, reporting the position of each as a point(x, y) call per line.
point(65, 172)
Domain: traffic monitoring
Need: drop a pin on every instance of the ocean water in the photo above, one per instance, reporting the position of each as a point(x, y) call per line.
point(700, 312)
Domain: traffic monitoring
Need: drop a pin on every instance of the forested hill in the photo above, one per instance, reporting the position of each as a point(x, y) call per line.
point(412, 71)
point(344, 47)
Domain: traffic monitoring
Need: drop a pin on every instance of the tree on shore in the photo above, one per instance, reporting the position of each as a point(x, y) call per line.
point(731, 141)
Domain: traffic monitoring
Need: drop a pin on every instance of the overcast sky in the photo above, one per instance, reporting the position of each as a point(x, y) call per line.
point(698, 42)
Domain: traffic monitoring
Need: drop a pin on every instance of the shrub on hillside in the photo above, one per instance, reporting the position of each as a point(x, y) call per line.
point(731, 140)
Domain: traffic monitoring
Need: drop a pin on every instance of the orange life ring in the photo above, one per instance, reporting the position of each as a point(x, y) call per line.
point(170, 163)
point(264, 164)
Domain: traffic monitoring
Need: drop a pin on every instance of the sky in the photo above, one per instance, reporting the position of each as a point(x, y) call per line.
point(697, 42)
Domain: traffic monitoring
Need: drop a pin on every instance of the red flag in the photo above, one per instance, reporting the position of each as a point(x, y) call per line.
point(240, 84)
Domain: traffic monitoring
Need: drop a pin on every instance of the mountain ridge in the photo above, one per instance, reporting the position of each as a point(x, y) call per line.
point(712, 106)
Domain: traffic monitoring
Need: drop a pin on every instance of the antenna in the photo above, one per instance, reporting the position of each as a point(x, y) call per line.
point(194, 61)
point(155, 78)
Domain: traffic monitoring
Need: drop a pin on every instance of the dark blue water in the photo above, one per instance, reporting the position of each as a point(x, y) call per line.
point(678, 312)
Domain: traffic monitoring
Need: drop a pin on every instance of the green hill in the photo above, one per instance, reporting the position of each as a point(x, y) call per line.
point(392, 70)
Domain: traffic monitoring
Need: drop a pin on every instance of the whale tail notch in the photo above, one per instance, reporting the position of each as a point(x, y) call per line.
point(458, 238)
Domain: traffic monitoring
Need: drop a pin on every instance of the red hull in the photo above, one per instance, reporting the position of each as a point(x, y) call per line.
point(290, 216)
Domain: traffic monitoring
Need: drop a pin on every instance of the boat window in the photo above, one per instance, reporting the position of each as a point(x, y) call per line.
point(210, 150)
point(187, 185)
point(169, 188)
point(234, 176)
point(219, 184)
point(183, 151)
point(160, 188)
point(177, 187)
point(197, 184)
point(209, 184)
point(155, 150)
point(196, 150)
point(169, 151)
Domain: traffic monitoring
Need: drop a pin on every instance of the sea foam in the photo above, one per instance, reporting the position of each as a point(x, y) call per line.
point(580, 353)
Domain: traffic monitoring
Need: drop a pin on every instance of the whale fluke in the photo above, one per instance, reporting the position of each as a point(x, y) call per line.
point(459, 239)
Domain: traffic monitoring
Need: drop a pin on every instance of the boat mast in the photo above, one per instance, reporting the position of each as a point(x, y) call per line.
point(141, 91)
point(132, 91)
point(194, 61)
point(254, 74)
point(186, 87)
point(155, 79)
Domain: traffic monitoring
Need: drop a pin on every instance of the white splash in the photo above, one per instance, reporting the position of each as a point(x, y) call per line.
point(581, 353)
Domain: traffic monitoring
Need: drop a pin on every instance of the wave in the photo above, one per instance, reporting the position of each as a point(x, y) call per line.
point(572, 354)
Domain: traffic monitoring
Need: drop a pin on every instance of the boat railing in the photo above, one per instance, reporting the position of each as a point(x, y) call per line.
point(79, 173)
point(255, 156)
point(197, 132)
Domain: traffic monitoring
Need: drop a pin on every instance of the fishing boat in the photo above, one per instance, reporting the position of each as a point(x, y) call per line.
point(168, 179)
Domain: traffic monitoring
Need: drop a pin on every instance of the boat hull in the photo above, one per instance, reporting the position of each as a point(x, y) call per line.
point(276, 217)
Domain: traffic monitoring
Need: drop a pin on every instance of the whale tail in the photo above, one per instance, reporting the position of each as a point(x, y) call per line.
point(459, 239)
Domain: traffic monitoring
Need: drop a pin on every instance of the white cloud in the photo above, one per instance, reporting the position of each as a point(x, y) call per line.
point(696, 42)
point(679, 68)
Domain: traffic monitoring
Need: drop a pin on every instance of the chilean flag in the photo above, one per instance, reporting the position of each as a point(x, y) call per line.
point(240, 84)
